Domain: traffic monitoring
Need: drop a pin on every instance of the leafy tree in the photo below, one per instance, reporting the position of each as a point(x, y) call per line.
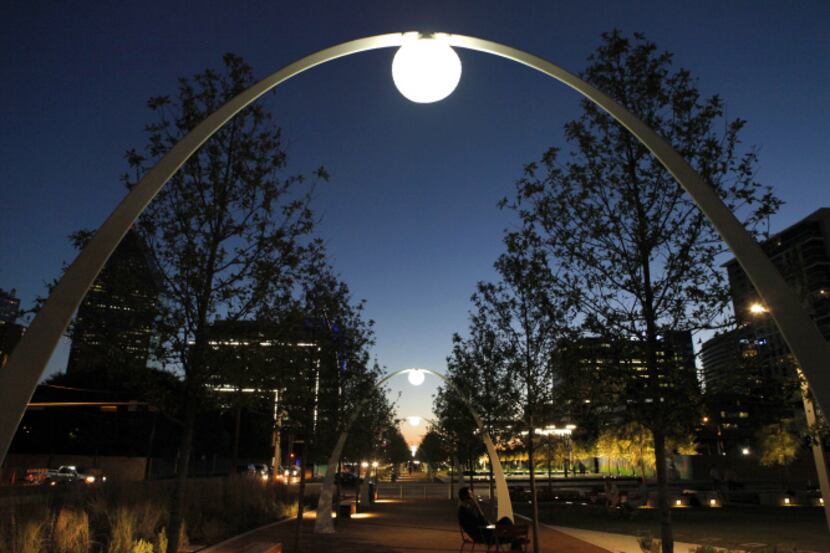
point(778, 443)
point(529, 317)
point(477, 366)
point(334, 356)
point(458, 428)
point(397, 450)
point(634, 249)
point(433, 450)
point(227, 232)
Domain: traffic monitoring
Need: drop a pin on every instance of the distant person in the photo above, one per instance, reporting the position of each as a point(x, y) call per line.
point(473, 521)
point(582, 468)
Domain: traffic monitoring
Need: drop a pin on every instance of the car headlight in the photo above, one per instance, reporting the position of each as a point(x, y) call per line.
point(89, 479)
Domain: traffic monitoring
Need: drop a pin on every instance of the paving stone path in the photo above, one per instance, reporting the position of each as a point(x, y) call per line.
point(390, 526)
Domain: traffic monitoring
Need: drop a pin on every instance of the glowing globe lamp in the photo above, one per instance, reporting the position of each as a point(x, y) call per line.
point(426, 70)
point(757, 309)
point(414, 420)
point(416, 377)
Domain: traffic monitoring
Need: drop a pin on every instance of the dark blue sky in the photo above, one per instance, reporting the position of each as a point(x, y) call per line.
point(409, 213)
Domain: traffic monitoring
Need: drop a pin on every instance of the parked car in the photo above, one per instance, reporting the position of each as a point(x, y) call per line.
point(70, 474)
point(35, 476)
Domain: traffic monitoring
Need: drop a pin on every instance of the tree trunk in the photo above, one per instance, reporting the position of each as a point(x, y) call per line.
point(653, 384)
point(237, 423)
point(177, 499)
point(452, 476)
point(148, 465)
point(533, 499)
point(470, 469)
point(663, 492)
point(550, 462)
point(298, 530)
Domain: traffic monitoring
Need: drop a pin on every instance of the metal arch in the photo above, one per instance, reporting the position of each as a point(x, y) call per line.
point(323, 523)
point(19, 378)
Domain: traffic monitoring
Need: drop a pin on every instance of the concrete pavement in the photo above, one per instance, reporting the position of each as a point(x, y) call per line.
point(390, 526)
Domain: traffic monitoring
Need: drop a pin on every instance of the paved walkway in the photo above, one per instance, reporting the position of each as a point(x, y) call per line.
point(618, 543)
point(391, 526)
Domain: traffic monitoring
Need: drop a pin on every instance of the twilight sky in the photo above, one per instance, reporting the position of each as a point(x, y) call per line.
point(409, 215)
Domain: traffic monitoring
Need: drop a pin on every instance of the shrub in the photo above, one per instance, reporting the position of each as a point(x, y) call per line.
point(71, 531)
point(214, 530)
point(288, 509)
point(122, 530)
point(648, 544)
point(142, 546)
point(149, 516)
point(161, 541)
point(31, 537)
point(705, 548)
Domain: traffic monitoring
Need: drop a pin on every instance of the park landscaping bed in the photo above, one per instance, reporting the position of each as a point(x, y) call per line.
point(132, 517)
point(739, 527)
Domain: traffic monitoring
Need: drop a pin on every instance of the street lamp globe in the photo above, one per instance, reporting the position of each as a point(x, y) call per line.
point(426, 70)
point(757, 309)
point(416, 377)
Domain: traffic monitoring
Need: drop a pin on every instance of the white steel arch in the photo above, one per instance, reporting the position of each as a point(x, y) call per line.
point(26, 365)
point(323, 522)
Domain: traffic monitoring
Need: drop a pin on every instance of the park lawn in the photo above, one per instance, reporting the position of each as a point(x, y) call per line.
point(802, 528)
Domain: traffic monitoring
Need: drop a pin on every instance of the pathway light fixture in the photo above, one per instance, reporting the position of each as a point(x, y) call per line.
point(415, 377)
point(758, 309)
point(426, 69)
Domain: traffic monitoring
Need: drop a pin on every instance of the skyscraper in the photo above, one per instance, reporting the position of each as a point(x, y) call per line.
point(10, 331)
point(802, 253)
point(114, 326)
point(287, 366)
point(591, 364)
point(9, 306)
point(749, 374)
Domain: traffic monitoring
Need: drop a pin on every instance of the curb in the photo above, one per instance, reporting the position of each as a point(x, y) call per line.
point(210, 548)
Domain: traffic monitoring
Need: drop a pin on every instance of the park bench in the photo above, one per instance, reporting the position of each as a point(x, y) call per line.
point(503, 537)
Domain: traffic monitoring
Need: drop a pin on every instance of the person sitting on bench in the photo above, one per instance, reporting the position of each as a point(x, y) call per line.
point(473, 521)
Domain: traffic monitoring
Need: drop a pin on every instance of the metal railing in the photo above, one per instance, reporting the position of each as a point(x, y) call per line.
point(425, 491)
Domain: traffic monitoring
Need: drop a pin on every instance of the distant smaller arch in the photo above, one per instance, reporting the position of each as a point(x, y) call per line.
point(323, 523)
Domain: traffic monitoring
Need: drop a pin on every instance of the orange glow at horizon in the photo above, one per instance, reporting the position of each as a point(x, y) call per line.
point(413, 434)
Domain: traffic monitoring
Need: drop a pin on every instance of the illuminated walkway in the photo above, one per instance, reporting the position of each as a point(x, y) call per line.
point(409, 526)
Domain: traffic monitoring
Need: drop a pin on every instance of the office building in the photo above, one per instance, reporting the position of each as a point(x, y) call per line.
point(595, 365)
point(114, 326)
point(749, 374)
point(10, 331)
point(758, 357)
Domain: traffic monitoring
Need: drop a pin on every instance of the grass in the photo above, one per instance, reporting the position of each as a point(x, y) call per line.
point(70, 533)
point(803, 528)
point(132, 518)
